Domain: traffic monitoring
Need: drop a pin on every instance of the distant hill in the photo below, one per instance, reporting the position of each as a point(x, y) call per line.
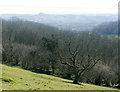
point(68, 21)
point(107, 28)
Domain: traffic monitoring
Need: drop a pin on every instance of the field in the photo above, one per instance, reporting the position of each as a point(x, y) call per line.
point(15, 78)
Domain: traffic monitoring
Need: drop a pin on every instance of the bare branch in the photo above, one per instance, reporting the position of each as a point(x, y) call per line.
point(66, 63)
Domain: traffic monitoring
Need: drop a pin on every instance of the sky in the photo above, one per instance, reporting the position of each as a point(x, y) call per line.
point(58, 6)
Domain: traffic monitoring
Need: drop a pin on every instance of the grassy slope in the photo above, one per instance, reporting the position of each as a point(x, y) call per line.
point(16, 78)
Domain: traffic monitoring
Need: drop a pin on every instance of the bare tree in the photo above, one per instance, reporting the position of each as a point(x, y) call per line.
point(81, 58)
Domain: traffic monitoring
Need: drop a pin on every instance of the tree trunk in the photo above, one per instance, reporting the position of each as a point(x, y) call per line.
point(53, 69)
point(75, 81)
point(77, 76)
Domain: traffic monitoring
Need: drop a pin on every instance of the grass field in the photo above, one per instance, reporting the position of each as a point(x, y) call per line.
point(113, 36)
point(14, 78)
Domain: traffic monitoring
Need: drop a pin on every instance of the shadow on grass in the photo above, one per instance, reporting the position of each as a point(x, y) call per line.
point(73, 83)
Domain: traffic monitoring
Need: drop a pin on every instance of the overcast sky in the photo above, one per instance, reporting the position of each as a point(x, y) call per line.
point(58, 6)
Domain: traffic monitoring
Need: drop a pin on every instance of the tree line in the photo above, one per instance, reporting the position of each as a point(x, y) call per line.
point(80, 56)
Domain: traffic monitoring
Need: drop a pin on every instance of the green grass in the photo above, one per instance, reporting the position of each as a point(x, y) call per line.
point(113, 36)
point(14, 78)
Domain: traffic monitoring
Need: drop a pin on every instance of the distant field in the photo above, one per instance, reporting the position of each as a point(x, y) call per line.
point(18, 79)
point(114, 36)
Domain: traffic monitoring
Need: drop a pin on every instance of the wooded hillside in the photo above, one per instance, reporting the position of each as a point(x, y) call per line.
point(80, 56)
